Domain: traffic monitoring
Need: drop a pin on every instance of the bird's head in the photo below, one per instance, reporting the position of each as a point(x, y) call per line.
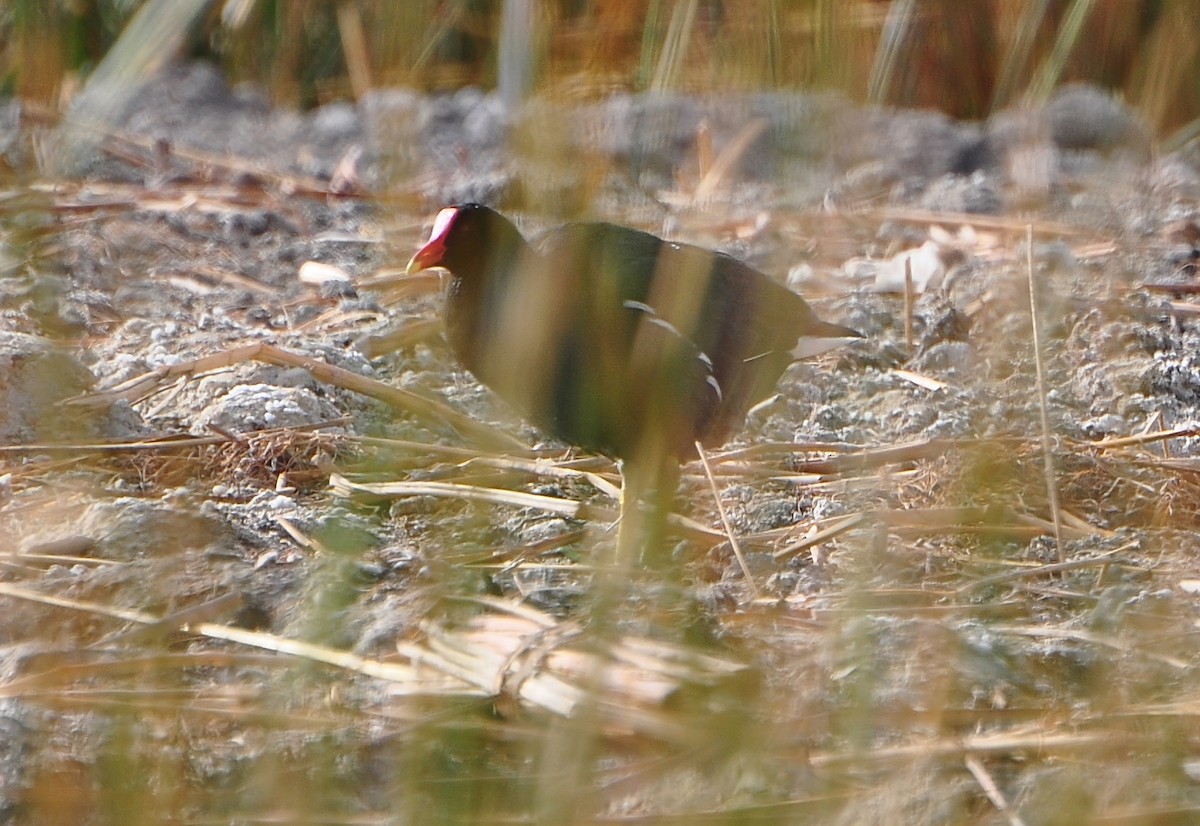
point(468, 240)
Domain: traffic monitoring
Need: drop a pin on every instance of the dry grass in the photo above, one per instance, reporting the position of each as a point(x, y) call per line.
point(944, 660)
point(856, 709)
point(978, 630)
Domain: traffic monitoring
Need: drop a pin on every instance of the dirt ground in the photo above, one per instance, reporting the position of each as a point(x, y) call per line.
point(236, 590)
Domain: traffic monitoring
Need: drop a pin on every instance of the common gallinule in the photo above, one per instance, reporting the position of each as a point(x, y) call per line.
point(612, 339)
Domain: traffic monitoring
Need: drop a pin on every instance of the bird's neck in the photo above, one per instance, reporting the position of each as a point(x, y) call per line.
point(477, 289)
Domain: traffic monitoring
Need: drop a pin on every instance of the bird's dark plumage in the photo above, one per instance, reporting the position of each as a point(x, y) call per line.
point(610, 338)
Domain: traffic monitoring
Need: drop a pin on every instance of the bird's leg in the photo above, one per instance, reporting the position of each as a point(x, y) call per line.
point(647, 495)
point(628, 522)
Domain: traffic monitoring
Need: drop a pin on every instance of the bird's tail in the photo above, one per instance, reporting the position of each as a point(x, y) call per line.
point(821, 337)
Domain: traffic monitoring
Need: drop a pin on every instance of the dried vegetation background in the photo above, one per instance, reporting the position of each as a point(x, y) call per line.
point(268, 555)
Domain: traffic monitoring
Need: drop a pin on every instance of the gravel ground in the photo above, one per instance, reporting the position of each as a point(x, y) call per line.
point(180, 231)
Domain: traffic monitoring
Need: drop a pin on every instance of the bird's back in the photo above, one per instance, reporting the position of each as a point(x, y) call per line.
point(660, 341)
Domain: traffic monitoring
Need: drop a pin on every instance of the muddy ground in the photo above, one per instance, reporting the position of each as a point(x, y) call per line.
point(904, 654)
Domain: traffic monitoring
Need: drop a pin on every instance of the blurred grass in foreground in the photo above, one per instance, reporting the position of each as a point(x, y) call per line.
point(951, 683)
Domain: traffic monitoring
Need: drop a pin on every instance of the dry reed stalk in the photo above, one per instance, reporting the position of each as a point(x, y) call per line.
point(428, 410)
point(729, 532)
point(1043, 403)
point(988, 784)
point(908, 307)
point(567, 508)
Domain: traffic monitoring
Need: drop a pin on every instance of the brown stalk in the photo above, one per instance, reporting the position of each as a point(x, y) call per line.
point(1043, 404)
point(429, 410)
